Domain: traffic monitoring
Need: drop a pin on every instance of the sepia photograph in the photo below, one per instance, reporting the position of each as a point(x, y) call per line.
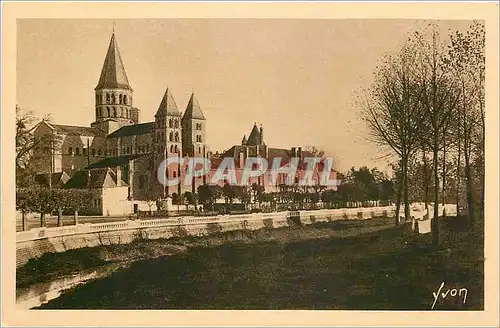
point(252, 163)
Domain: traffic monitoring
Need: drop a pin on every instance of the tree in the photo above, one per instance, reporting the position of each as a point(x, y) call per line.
point(466, 59)
point(438, 99)
point(229, 192)
point(25, 203)
point(393, 113)
point(78, 199)
point(43, 203)
point(257, 191)
point(26, 123)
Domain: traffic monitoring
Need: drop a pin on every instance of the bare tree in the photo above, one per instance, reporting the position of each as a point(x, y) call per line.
point(467, 62)
point(439, 98)
point(393, 112)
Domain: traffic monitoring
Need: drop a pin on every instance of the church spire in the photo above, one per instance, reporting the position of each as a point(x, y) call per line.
point(193, 109)
point(113, 72)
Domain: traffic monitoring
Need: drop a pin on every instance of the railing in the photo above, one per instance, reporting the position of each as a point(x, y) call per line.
point(417, 211)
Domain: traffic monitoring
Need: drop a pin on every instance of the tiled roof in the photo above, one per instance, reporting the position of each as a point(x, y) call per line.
point(168, 105)
point(113, 72)
point(99, 178)
point(77, 130)
point(193, 109)
point(114, 161)
point(131, 130)
point(58, 179)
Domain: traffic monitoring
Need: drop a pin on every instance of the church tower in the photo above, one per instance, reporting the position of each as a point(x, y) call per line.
point(113, 94)
point(193, 130)
point(167, 136)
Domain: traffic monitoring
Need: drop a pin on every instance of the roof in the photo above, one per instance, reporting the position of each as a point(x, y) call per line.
point(99, 178)
point(193, 109)
point(254, 137)
point(133, 130)
point(114, 161)
point(113, 72)
point(272, 153)
point(168, 105)
point(77, 130)
point(58, 179)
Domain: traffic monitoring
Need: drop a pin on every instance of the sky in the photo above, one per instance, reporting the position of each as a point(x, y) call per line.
point(296, 77)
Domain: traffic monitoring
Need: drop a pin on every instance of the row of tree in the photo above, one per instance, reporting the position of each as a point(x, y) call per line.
point(426, 106)
point(42, 200)
point(360, 187)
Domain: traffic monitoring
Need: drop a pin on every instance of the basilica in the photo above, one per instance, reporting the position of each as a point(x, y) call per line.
point(117, 156)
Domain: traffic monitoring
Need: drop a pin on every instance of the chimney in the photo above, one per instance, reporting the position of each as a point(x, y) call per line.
point(246, 153)
point(118, 176)
point(266, 152)
point(241, 160)
point(294, 152)
point(299, 152)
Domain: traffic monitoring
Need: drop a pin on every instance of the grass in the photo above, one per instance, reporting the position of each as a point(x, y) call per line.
point(390, 269)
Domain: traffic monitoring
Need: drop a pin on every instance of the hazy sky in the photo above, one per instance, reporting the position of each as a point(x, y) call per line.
point(296, 77)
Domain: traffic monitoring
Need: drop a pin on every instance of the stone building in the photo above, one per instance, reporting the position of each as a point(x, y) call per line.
point(118, 141)
point(118, 155)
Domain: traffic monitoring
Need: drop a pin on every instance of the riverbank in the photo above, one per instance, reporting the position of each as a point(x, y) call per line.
point(337, 265)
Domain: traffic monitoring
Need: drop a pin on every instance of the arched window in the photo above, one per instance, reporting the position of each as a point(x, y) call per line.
point(125, 99)
point(97, 112)
point(109, 111)
point(77, 152)
point(93, 152)
point(99, 152)
point(176, 149)
point(121, 112)
point(170, 123)
point(114, 111)
point(120, 99)
point(107, 98)
point(177, 137)
point(171, 136)
point(128, 150)
point(172, 148)
point(70, 150)
point(126, 113)
point(176, 124)
point(113, 98)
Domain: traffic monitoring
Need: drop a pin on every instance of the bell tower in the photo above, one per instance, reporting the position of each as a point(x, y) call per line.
point(113, 94)
point(193, 129)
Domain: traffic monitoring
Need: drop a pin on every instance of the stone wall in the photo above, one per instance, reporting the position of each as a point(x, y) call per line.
point(36, 242)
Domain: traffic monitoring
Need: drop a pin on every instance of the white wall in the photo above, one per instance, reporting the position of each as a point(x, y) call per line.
point(115, 201)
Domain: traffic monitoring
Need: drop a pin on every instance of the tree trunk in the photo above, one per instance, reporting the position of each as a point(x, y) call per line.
point(398, 197)
point(426, 180)
point(23, 221)
point(76, 218)
point(405, 189)
point(435, 222)
point(458, 176)
point(443, 197)
point(470, 197)
point(42, 219)
point(59, 218)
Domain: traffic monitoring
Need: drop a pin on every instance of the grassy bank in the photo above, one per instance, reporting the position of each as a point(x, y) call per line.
point(389, 269)
point(51, 266)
